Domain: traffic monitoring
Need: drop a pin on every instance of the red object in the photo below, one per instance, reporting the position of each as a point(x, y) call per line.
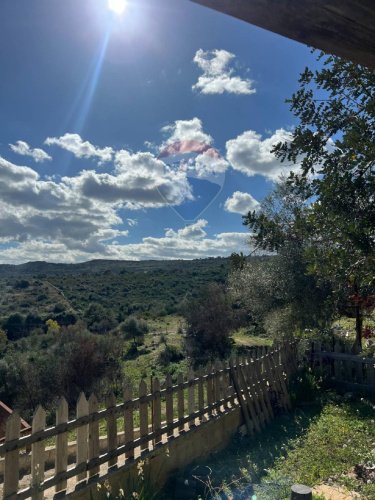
point(5, 412)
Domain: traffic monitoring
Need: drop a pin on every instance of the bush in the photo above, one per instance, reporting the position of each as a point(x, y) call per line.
point(170, 354)
point(133, 328)
point(209, 320)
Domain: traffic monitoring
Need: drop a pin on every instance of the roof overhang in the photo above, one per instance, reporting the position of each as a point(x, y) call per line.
point(345, 28)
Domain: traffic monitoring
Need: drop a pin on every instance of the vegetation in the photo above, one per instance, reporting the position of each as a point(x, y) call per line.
point(326, 439)
point(326, 215)
point(210, 321)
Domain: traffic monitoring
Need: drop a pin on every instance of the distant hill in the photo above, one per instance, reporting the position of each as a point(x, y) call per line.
point(101, 265)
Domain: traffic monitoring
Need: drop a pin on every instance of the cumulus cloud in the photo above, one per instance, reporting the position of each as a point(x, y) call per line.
point(34, 209)
point(241, 203)
point(80, 213)
point(188, 136)
point(218, 75)
point(186, 130)
point(37, 154)
point(80, 148)
point(251, 155)
point(140, 180)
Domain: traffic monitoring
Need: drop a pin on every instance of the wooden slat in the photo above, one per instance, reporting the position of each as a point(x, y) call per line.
point(371, 374)
point(210, 388)
point(128, 420)
point(93, 435)
point(191, 398)
point(111, 428)
point(284, 391)
point(259, 390)
point(249, 398)
point(143, 413)
point(244, 408)
point(156, 411)
point(72, 472)
point(180, 401)
point(200, 393)
point(82, 434)
point(38, 454)
point(264, 388)
point(61, 443)
point(253, 391)
point(11, 459)
point(169, 400)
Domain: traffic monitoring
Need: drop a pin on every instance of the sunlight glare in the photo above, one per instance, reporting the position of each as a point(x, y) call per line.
point(117, 6)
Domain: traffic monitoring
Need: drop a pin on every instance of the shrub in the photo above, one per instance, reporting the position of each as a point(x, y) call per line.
point(170, 354)
point(209, 320)
point(135, 329)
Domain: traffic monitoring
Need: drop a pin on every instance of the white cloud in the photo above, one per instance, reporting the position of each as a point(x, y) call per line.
point(251, 155)
point(218, 77)
point(37, 154)
point(187, 130)
point(173, 245)
point(241, 203)
point(32, 209)
point(80, 148)
point(140, 181)
point(194, 231)
point(80, 213)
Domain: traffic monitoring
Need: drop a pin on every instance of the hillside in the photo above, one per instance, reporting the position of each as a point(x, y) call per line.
point(121, 287)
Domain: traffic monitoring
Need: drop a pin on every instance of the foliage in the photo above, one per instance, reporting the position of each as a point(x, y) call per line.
point(40, 368)
point(278, 295)
point(330, 209)
point(135, 329)
point(52, 326)
point(15, 326)
point(209, 321)
point(3, 340)
point(170, 354)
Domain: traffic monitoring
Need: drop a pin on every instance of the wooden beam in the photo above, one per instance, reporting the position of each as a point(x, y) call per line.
point(345, 28)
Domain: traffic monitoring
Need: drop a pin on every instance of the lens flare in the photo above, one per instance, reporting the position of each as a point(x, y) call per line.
point(117, 6)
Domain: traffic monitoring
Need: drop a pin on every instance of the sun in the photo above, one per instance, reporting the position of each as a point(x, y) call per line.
point(117, 6)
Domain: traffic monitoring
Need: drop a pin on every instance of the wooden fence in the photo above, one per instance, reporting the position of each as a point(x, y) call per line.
point(141, 422)
point(348, 371)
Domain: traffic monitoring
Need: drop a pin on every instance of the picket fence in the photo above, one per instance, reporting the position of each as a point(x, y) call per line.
point(348, 371)
point(257, 383)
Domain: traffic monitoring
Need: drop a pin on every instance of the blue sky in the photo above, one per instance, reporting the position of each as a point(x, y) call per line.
point(144, 134)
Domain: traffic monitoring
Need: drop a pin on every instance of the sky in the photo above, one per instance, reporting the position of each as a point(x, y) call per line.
point(137, 129)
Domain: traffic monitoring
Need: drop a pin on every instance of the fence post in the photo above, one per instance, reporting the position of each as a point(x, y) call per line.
point(200, 393)
point(93, 435)
point(191, 397)
point(37, 453)
point(301, 492)
point(143, 413)
point(11, 459)
point(180, 401)
point(169, 403)
point(156, 411)
point(61, 444)
point(128, 419)
point(82, 434)
point(111, 428)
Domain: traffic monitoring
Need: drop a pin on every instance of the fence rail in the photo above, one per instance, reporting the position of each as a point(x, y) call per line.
point(353, 372)
point(141, 422)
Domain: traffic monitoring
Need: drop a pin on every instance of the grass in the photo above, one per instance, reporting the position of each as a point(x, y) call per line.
point(340, 438)
point(242, 338)
point(163, 331)
point(315, 444)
